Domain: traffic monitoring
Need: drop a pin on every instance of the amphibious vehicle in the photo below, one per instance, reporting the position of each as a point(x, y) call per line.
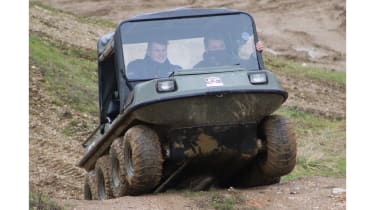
point(189, 125)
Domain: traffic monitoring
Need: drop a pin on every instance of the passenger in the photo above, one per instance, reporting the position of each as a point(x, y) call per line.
point(216, 53)
point(154, 65)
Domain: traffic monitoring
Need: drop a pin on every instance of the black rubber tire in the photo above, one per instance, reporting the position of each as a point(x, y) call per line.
point(143, 159)
point(281, 152)
point(117, 166)
point(103, 178)
point(89, 186)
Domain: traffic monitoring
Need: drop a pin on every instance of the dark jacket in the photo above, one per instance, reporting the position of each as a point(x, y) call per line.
point(224, 58)
point(148, 69)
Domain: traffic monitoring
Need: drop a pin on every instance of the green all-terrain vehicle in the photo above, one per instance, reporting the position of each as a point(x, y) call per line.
point(185, 102)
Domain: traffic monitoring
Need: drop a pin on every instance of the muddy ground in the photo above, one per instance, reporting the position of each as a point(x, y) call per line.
point(312, 193)
point(312, 32)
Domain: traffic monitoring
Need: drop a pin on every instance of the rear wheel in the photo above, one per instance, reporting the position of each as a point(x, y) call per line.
point(143, 159)
point(281, 147)
point(103, 178)
point(89, 186)
point(117, 165)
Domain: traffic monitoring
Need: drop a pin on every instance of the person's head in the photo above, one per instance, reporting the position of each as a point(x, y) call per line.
point(216, 51)
point(157, 51)
point(214, 42)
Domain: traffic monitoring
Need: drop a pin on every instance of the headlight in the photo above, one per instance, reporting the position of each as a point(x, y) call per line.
point(166, 85)
point(258, 78)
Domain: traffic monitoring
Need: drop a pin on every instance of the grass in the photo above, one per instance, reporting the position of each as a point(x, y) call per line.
point(70, 73)
point(321, 145)
point(295, 69)
point(39, 201)
point(221, 202)
point(76, 126)
point(216, 200)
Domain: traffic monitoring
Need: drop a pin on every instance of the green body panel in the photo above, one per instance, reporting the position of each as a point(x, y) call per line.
point(193, 85)
point(234, 100)
point(210, 109)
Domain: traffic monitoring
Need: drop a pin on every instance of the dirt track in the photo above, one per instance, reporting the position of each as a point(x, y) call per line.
point(52, 160)
point(311, 193)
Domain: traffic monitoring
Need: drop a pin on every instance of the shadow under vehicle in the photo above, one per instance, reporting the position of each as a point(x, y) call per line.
point(191, 125)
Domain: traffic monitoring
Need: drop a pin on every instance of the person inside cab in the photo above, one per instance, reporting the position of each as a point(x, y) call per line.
point(155, 64)
point(217, 54)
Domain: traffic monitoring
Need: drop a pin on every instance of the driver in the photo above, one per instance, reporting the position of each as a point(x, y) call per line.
point(154, 65)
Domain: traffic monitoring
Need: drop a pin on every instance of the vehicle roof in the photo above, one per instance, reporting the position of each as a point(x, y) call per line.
point(183, 12)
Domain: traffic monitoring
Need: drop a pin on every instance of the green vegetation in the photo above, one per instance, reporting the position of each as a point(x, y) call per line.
point(282, 65)
point(76, 126)
point(70, 73)
point(321, 145)
point(217, 200)
point(38, 201)
point(221, 202)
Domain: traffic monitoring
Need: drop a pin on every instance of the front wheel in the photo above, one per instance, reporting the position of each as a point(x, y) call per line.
point(281, 147)
point(143, 159)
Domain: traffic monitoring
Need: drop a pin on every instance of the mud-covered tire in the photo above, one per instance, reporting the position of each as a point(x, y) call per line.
point(89, 186)
point(281, 146)
point(117, 168)
point(103, 179)
point(143, 159)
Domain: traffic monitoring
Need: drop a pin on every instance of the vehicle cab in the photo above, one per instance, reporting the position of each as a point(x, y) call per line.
point(186, 34)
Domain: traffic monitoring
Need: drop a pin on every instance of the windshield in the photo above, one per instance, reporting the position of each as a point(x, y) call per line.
point(157, 48)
